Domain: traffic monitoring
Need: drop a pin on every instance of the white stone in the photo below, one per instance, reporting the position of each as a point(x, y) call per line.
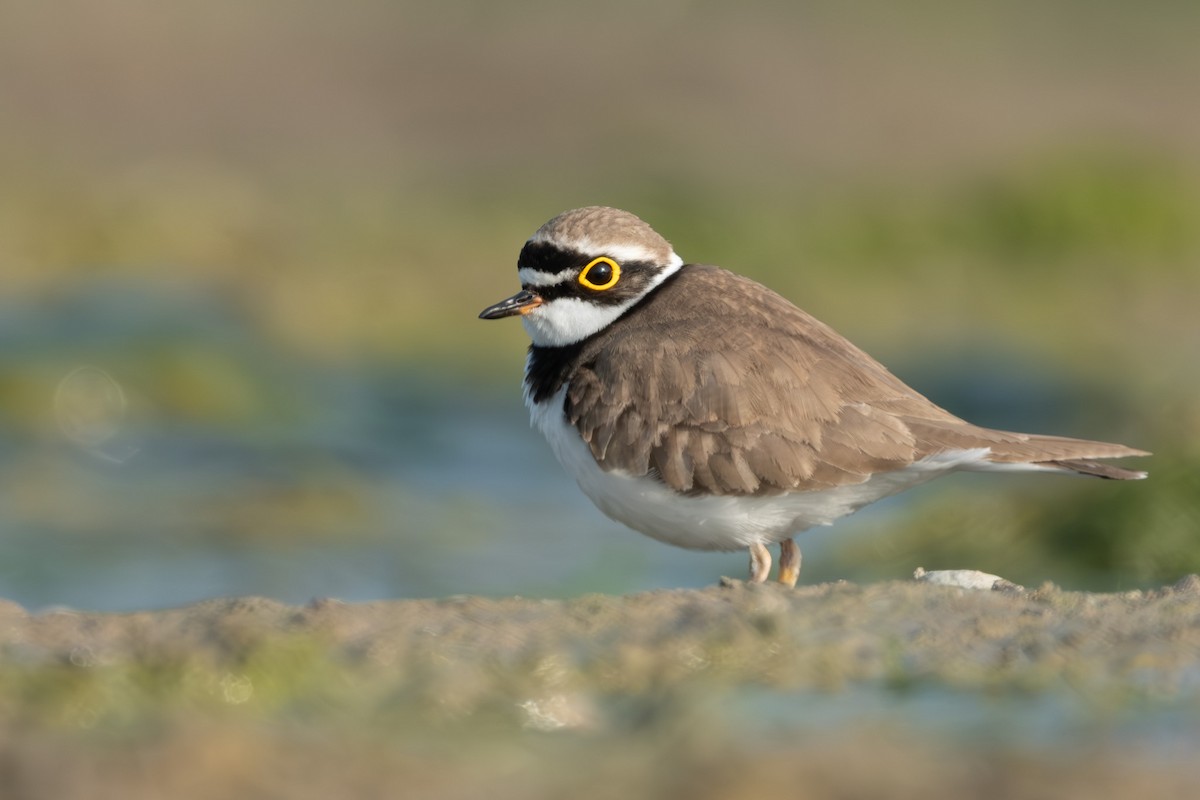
point(963, 578)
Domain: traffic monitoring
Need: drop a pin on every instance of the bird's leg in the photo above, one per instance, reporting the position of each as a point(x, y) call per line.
point(789, 562)
point(760, 562)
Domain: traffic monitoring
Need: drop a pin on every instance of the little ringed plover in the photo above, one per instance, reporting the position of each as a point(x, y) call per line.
point(704, 410)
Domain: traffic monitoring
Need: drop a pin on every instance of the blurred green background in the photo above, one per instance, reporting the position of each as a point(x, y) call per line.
point(243, 247)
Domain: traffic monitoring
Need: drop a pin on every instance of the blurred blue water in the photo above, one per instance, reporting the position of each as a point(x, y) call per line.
point(193, 458)
point(434, 491)
point(355, 481)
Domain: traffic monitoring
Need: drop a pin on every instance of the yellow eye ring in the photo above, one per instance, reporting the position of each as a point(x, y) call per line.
point(600, 274)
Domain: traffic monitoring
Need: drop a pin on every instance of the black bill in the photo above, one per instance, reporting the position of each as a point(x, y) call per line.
point(522, 302)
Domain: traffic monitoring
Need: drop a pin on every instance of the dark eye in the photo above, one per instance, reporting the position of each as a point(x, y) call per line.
point(600, 274)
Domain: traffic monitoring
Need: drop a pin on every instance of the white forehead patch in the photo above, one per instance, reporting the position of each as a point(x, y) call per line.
point(535, 277)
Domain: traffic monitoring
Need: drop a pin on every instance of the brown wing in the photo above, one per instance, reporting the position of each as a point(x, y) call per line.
point(753, 396)
point(750, 395)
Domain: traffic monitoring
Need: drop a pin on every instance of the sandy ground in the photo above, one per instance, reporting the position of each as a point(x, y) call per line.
point(836, 690)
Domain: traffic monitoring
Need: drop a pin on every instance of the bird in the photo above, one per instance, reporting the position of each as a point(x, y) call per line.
point(700, 408)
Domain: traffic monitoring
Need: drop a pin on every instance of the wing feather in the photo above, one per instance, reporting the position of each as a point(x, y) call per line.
point(749, 395)
point(742, 393)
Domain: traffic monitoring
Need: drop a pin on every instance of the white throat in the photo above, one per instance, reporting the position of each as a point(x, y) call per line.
point(567, 320)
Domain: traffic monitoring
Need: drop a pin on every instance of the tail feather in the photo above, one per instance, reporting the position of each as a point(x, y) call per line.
point(1033, 448)
point(1060, 452)
point(1007, 447)
point(1096, 468)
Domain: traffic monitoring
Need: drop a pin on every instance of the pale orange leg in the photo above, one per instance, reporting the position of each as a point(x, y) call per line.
point(789, 562)
point(760, 563)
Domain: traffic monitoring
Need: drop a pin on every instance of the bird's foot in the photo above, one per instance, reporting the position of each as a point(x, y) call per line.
point(760, 563)
point(789, 562)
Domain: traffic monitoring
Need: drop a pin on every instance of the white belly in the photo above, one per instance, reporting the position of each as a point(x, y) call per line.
point(713, 522)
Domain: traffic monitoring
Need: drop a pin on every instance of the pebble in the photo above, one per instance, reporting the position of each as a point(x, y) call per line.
point(965, 579)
